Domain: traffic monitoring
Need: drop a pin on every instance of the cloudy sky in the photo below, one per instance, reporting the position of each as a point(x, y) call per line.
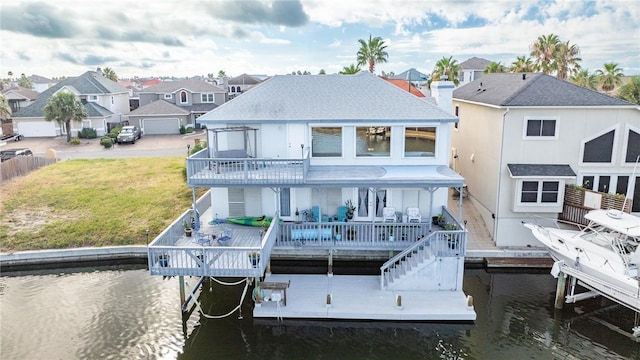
point(189, 37)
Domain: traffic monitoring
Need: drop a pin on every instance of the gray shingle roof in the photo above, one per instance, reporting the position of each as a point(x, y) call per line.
point(159, 107)
point(90, 82)
point(23, 92)
point(540, 170)
point(243, 79)
point(37, 79)
point(537, 89)
point(363, 96)
point(193, 85)
point(416, 76)
point(95, 110)
point(475, 63)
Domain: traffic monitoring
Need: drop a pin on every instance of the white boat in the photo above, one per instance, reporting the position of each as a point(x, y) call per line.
point(604, 256)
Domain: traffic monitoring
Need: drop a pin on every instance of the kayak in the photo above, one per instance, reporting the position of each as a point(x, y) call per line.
point(250, 220)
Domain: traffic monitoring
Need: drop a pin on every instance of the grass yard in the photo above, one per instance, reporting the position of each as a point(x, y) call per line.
point(79, 203)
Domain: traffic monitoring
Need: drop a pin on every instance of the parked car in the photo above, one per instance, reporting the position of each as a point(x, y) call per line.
point(129, 134)
point(11, 153)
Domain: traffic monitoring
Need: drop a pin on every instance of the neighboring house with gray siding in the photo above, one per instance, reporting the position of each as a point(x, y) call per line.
point(169, 105)
point(107, 104)
point(472, 69)
point(521, 137)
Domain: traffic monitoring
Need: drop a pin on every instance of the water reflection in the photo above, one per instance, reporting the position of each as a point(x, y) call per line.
point(128, 314)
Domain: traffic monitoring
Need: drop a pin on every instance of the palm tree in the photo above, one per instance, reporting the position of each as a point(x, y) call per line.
point(222, 73)
point(495, 67)
point(446, 67)
point(25, 82)
point(110, 74)
point(584, 78)
point(64, 107)
point(372, 52)
point(5, 109)
point(544, 52)
point(567, 60)
point(522, 64)
point(630, 91)
point(610, 77)
point(350, 70)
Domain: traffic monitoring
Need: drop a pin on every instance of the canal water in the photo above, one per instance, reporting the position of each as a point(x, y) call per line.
point(125, 313)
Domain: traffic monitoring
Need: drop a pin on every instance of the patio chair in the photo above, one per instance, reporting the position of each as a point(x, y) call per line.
point(342, 213)
point(317, 217)
point(413, 214)
point(389, 214)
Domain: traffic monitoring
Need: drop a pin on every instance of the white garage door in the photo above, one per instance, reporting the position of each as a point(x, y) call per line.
point(37, 128)
point(160, 126)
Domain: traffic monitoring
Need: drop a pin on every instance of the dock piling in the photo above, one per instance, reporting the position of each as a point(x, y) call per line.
point(560, 290)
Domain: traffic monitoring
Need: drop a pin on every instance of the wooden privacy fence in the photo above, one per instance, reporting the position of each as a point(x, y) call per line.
point(22, 165)
point(579, 201)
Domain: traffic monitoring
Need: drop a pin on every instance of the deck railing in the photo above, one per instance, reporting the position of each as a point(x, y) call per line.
point(203, 171)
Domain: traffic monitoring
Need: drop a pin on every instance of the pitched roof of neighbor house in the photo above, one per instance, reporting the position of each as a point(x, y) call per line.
point(91, 82)
point(150, 83)
point(531, 89)
point(159, 107)
point(403, 84)
point(474, 63)
point(21, 92)
point(361, 97)
point(243, 79)
point(96, 110)
point(37, 79)
point(193, 85)
point(412, 75)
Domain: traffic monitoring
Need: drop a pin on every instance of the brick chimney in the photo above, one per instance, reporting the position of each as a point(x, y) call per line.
point(442, 92)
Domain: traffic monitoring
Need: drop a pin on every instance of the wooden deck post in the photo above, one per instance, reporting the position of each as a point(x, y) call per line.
point(182, 293)
point(560, 290)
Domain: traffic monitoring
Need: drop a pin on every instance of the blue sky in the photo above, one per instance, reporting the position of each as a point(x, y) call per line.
point(189, 37)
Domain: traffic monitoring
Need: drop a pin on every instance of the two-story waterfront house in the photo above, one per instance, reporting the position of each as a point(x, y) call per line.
point(522, 137)
point(298, 148)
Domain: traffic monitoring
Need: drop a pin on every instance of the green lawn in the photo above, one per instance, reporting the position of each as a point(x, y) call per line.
point(78, 203)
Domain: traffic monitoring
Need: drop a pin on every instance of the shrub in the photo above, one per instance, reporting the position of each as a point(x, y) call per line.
point(106, 141)
point(74, 141)
point(87, 133)
point(115, 131)
point(183, 130)
point(197, 147)
point(189, 130)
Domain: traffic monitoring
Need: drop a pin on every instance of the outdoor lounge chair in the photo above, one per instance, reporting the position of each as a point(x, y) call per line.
point(342, 213)
point(389, 214)
point(317, 217)
point(413, 215)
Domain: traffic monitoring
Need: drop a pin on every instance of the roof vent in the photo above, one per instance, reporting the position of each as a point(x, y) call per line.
point(524, 76)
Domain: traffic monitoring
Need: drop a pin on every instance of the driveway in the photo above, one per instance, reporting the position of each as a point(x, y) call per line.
point(147, 146)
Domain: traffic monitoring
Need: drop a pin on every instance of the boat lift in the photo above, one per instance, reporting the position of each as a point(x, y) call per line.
point(596, 287)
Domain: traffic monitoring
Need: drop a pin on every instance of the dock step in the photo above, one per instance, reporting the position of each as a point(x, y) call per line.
point(518, 262)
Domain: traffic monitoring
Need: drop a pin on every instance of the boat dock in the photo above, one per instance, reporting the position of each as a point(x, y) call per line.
point(358, 298)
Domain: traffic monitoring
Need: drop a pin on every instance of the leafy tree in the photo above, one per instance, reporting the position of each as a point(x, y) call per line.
point(222, 73)
point(306, 72)
point(448, 67)
point(322, 72)
point(372, 52)
point(350, 70)
point(522, 64)
point(584, 78)
point(610, 77)
point(567, 60)
point(5, 109)
point(390, 74)
point(544, 51)
point(630, 91)
point(495, 67)
point(110, 74)
point(25, 82)
point(64, 107)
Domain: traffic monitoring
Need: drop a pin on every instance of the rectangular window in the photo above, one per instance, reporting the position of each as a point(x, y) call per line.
point(373, 141)
point(207, 98)
point(587, 182)
point(543, 192)
point(167, 96)
point(419, 142)
point(92, 98)
point(545, 128)
point(326, 142)
point(623, 183)
point(285, 202)
point(603, 183)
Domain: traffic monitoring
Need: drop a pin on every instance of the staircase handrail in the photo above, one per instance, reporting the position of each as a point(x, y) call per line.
point(399, 257)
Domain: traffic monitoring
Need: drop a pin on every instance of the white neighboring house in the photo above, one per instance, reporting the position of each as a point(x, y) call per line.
point(41, 83)
point(472, 69)
point(106, 103)
point(19, 97)
point(521, 137)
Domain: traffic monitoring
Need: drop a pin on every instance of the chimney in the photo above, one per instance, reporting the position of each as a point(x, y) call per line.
point(442, 92)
